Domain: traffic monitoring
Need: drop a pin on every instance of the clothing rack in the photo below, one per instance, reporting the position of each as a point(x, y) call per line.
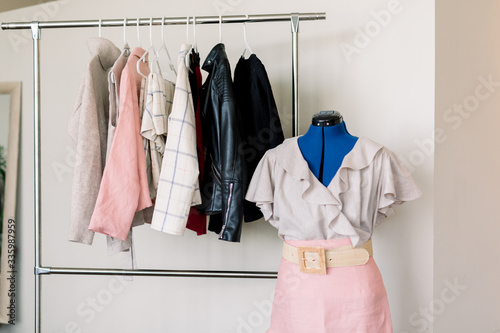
point(36, 27)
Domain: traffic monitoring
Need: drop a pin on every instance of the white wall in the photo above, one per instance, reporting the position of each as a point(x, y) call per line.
point(385, 90)
point(467, 160)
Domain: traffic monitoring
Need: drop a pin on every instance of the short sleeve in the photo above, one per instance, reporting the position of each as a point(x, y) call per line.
point(396, 185)
point(261, 188)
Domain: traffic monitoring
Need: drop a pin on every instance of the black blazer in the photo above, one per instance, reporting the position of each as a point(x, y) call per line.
point(257, 108)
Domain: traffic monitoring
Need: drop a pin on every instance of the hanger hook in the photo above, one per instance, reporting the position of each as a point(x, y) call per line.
point(125, 31)
point(245, 31)
point(194, 31)
point(100, 24)
point(151, 32)
point(162, 26)
point(247, 47)
point(220, 28)
point(187, 29)
point(138, 34)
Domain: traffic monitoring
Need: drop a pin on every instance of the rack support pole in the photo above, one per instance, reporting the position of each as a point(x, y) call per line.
point(35, 32)
point(295, 73)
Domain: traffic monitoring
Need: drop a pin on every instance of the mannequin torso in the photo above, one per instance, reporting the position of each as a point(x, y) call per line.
point(334, 141)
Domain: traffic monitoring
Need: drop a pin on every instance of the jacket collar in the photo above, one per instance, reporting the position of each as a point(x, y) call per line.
point(104, 50)
point(217, 54)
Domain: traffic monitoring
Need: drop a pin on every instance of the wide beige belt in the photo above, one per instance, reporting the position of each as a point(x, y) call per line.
point(316, 259)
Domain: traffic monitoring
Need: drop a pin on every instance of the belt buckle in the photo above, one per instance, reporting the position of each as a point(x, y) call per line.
point(312, 260)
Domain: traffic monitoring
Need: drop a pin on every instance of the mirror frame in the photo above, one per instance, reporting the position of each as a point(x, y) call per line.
point(9, 217)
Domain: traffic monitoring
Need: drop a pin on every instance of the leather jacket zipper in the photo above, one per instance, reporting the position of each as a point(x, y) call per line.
point(227, 210)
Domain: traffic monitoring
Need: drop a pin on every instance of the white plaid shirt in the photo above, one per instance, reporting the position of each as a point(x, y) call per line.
point(178, 188)
point(158, 106)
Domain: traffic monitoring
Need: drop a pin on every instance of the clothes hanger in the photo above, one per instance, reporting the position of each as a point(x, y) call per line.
point(195, 42)
point(125, 51)
point(186, 59)
point(138, 34)
point(187, 29)
point(126, 48)
point(247, 47)
point(164, 47)
point(151, 50)
point(125, 30)
point(220, 28)
point(100, 24)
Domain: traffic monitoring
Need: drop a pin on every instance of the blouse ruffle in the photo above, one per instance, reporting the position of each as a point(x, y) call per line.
point(394, 185)
point(261, 191)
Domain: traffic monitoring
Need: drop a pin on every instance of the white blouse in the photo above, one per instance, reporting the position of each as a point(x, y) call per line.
point(370, 180)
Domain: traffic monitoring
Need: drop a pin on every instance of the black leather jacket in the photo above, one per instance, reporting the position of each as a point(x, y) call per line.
point(224, 184)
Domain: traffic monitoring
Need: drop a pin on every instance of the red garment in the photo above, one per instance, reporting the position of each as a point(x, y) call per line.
point(197, 221)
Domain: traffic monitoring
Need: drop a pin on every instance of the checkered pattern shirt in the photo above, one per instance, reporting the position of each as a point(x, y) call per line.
point(178, 188)
point(159, 98)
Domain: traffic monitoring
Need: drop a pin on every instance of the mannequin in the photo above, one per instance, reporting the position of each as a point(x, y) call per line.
point(338, 219)
point(325, 145)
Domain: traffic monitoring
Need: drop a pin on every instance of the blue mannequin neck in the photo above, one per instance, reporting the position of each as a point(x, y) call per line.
point(330, 144)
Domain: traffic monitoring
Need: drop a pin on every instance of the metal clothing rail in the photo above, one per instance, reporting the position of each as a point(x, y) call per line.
point(156, 272)
point(36, 27)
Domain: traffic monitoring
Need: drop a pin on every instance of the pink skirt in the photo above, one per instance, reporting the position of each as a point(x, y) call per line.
point(345, 300)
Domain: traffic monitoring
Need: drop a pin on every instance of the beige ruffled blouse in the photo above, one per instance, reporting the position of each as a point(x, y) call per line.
point(369, 182)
